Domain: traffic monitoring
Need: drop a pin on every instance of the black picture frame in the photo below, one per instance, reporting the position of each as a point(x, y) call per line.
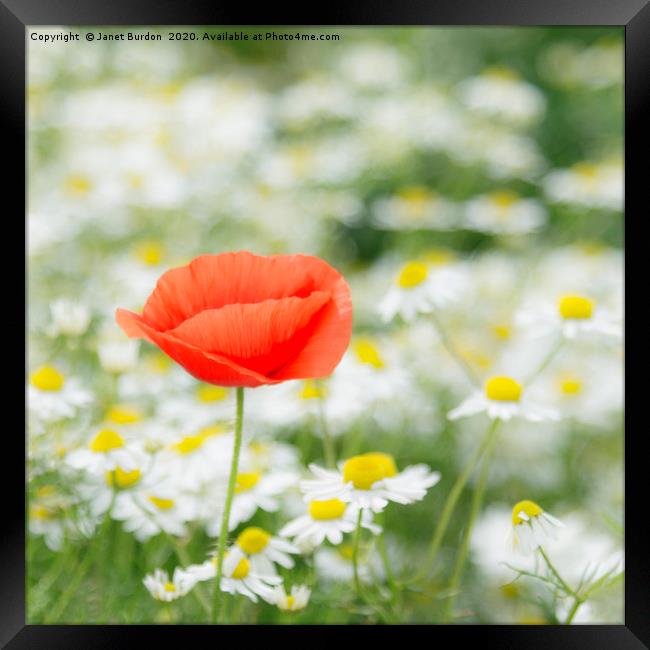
point(634, 15)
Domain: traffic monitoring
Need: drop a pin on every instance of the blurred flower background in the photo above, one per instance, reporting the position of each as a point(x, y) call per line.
point(468, 182)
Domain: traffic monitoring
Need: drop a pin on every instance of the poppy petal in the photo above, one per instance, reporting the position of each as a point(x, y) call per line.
point(213, 281)
point(262, 336)
point(206, 366)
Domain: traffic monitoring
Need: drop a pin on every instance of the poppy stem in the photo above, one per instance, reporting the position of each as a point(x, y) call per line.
point(225, 518)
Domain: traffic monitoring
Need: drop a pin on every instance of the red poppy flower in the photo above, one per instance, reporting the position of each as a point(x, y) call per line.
point(238, 319)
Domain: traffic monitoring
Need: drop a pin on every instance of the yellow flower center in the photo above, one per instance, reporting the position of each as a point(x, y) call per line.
point(368, 353)
point(170, 587)
point(438, 256)
point(291, 600)
point(416, 198)
point(585, 170)
point(46, 491)
point(41, 512)
point(77, 184)
point(311, 390)
point(502, 331)
point(122, 479)
point(576, 307)
point(106, 440)
point(123, 414)
point(188, 444)
point(529, 508)
point(501, 72)
point(159, 363)
point(569, 385)
point(346, 551)
point(326, 510)
point(209, 393)
point(242, 569)
point(367, 469)
point(150, 252)
point(162, 504)
point(503, 389)
point(253, 540)
point(47, 378)
point(246, 481)
point(504, 199)
point(412, 274)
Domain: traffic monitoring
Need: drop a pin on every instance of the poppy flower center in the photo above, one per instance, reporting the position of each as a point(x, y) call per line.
point(524, 511)
point(413, 274)
point(47, 378)
point(106, 440)
point(577, 307)
point(253, 540)
point(121, 479)
point(367, 469)
point(327, 510)
point(503, 389)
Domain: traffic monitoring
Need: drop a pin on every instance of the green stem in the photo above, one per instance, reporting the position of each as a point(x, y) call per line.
point(452, 500)
point(545, 362)
point(477, 501)
point(555, 572)
point(328, 443)
point(574, 610)
point(381, 546)
point(355, 555)
point(225, 518)
point(453, 352)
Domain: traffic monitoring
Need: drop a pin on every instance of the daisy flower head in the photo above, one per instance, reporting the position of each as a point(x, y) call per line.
point(263, 550)
point(164, 589)
point(504, 212)
point(421, 286)
point(239, 576)
point(502, 398)
point(51, 396)
point(294, 601)
point(369, 481)
point(574, 316)
point(106, 451)
point(326, 520)
point(532, 527)
point(69, 318)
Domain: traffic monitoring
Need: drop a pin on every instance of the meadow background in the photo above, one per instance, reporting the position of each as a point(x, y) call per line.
point(496, 152)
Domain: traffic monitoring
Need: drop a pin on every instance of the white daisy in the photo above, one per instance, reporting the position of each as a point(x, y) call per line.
point(419, 288)
point(415, 208)
point(587, 184)
point(51, 396)
point(532, 527)
point(574, 316)
point(369, 481)
point(118, 356)
point(206, 405)
point(263, 550)
point(326, 520)
point(152, 506)
point(100, 490)
point(335, 565)
point(502, 399)
point(296, 600)
point(107, 451)
point(238, 577)
point(504, 212)
point(160, 586)
point(69, 318)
